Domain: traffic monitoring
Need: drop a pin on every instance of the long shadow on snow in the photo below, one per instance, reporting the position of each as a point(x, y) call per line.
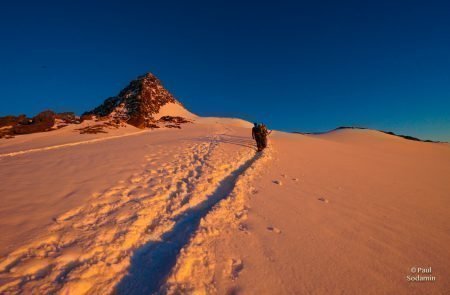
point(152, 263)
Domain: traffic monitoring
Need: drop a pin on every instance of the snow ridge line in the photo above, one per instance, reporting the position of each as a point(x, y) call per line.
point(12, 154)
point(196, 265)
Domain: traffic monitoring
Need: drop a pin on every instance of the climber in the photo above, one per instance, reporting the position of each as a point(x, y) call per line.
point(256, 135)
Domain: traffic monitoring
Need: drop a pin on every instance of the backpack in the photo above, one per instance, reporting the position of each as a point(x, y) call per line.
point(263, 129)
point(257, 130)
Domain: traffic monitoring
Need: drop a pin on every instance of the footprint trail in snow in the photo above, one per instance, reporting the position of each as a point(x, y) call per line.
point(88, 249)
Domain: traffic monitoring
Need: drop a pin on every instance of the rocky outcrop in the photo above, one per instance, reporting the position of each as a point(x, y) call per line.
point(137, 103)
point(68, 117)
point(10, 121)
point(173, 119)
point(44, 121)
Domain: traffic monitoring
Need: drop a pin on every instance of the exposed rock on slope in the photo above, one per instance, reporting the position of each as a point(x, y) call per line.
point(138, 103)
point(7, 124)
point(12, 120)
point(44, 121)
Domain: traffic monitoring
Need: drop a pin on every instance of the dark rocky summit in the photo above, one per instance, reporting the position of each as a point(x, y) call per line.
point(137, 103)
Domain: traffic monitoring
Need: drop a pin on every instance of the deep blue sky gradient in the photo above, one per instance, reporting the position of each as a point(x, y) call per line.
point(296, 65)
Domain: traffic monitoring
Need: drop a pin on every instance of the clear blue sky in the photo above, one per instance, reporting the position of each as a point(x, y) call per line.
point(296, 65)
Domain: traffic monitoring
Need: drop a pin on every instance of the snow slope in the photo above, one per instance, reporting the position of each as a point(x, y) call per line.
point(196, 210)
point(348, 212)
point(174, 109)
point(62, 137)
point(73, 215)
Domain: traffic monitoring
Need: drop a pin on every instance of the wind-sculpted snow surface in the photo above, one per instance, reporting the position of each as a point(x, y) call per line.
point(88, 250)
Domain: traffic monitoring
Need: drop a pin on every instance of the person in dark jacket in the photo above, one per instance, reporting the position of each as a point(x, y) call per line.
point(256, 135)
